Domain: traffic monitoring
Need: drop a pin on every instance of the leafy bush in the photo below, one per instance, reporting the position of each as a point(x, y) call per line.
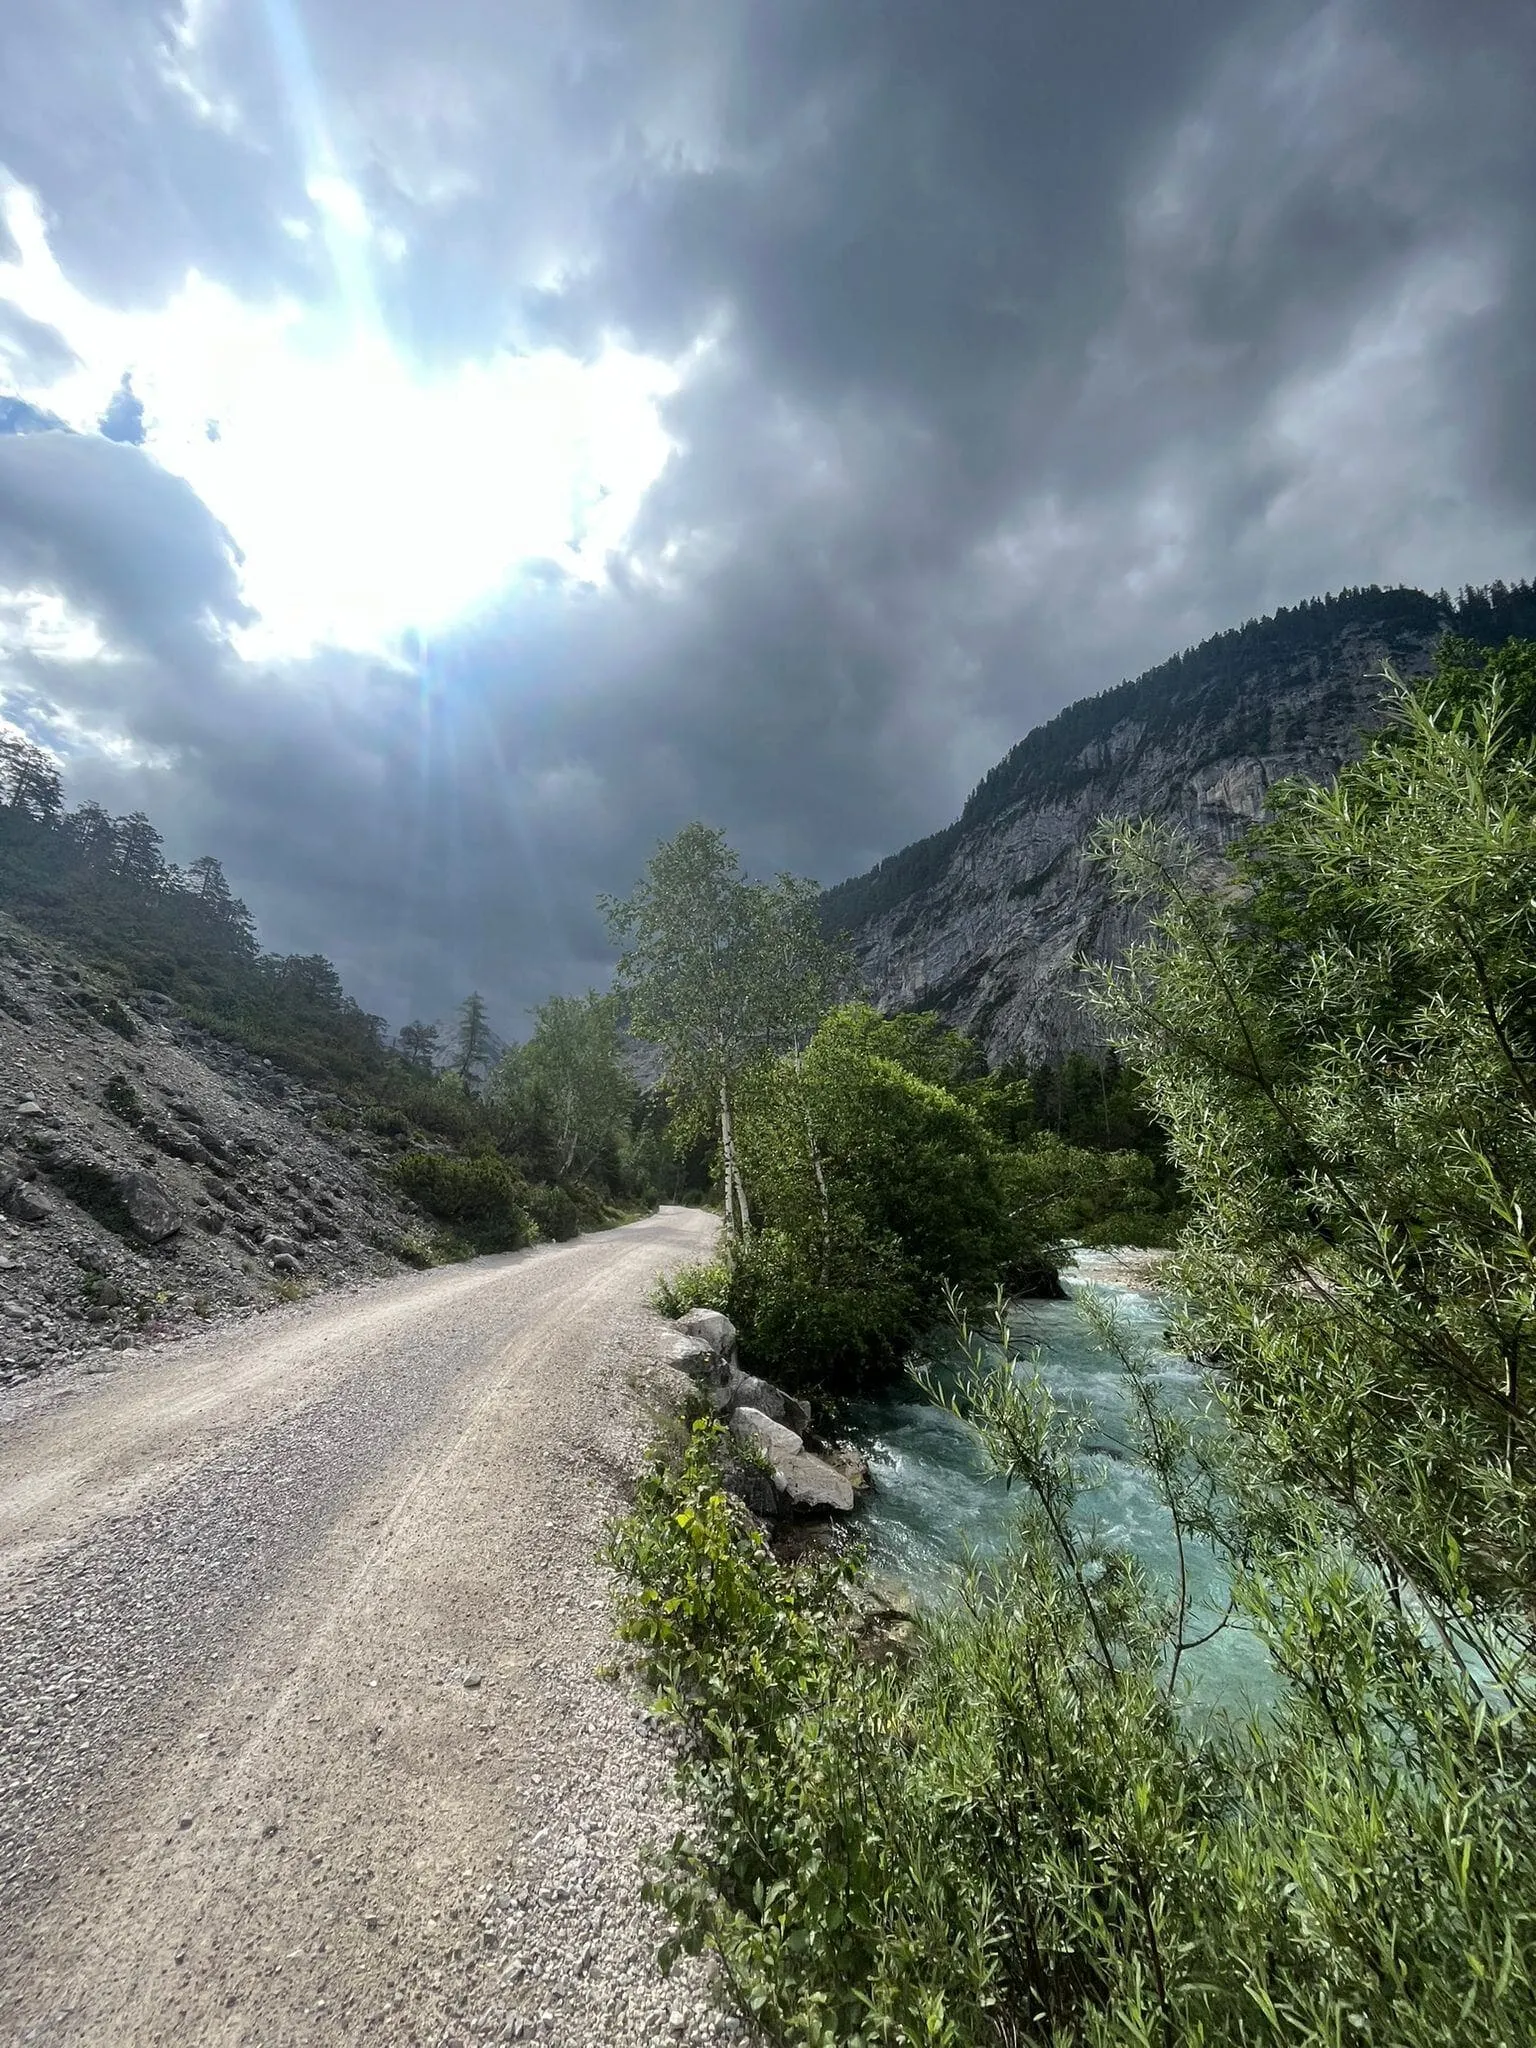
point(482, 1199)
point(808, 1323)
point(122, 1098)
point(385, 1121)
point(1017, 1835)
point(707, 1285)
point(555, 1212)
point(1344, 1054)
point(874, 1186)
point(1099, 1198)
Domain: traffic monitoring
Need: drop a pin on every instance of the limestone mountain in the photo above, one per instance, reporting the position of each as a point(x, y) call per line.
point(986, 920)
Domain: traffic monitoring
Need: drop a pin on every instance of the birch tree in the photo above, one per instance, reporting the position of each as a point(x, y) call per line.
point(574, 1070)
point(718, 972)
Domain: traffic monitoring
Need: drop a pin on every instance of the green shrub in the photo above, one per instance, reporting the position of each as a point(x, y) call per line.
point(122, 1098)
point(874, 1186)
point(1017, 1836)
point(483, 1200)
point(386, 1122)
point(707, 1285)
point(802, 1322)
point(555, 1212)
point(1099, 1198)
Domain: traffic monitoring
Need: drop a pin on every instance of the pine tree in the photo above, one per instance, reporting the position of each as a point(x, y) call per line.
point(474, 1045)
point(419, 1044)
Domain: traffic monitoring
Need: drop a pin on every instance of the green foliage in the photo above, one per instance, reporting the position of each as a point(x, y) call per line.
point(719, 973)
point(875, 1186)
point(554, 1211)
point(474, 1043)
point(1088, 1197)
point(707, 1285)
point(385, 1121)
point(572, 1075)
point(1343, 1048)
point(1016, 1834)
point(482, 1199)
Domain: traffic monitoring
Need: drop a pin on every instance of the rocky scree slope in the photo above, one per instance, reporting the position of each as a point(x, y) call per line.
point(152, 1175)
point(986, 921)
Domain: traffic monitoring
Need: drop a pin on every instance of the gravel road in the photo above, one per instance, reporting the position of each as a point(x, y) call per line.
point(301, 1737)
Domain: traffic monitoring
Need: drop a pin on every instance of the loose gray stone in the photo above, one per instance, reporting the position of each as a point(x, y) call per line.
point(710, 1327)
point(151, 1211)
point(805, 1484)
point(27, 1205)
point(776, 1443)
point(748, 1391)
point(810, 1486)
point(691, 1356)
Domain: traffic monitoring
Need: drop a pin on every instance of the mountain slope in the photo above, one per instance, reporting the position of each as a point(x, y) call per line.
point(985, 921)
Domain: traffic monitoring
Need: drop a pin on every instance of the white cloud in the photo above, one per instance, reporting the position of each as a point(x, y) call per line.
point(367, 499)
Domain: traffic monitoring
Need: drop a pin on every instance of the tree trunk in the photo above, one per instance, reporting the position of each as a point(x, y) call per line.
point(821, 1178)
point(737, 1217)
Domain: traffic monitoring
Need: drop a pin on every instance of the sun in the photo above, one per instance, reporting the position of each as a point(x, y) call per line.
point(369, 499)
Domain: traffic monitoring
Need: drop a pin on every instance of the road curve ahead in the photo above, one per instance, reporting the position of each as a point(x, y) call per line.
point(300, 1737)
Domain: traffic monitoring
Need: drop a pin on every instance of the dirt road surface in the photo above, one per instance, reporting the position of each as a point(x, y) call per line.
point(302, 1737)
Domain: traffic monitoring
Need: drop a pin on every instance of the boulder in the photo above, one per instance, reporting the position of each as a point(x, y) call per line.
point(804, 1484)
point(692, 1356)
point(152, 1213)
point(809, 1486)
point(724, 1392)
point(761, 1433)
point(748, 1391)
point(27, 1205)
point(710, 1327)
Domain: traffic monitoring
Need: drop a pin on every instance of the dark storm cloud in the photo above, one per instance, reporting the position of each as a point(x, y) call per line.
point(128, 546)
point(1028, 344)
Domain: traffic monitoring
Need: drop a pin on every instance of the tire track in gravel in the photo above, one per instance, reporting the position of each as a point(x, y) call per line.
point(299, 1737)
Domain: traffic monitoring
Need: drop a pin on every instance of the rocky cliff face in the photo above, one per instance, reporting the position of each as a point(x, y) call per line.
point(986, 921)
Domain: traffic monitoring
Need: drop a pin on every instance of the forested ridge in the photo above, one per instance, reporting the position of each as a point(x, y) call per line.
point(1233, 672)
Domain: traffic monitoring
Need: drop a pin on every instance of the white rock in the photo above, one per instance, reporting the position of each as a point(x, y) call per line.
point(690, 1355)
point(810, 1486)
point(711, 1328)
point(751, 1426)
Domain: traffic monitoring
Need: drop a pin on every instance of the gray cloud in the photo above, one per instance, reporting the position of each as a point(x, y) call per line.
point(1042, 341)
point(135, 549)
point(31, 351)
